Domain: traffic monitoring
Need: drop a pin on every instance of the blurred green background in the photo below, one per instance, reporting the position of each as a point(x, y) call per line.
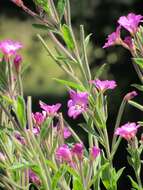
point(99, 18)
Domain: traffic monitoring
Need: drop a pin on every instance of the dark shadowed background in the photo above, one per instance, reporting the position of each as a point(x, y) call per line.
point(99, 18)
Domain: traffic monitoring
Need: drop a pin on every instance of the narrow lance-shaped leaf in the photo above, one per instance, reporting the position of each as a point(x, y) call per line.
point(20, 111)
point(137, 86)
point(61, 7)
point(66, 34)
point(71, 84)
point(45, 130)
point(61, 171)
point(138, 61)
point(44, 4)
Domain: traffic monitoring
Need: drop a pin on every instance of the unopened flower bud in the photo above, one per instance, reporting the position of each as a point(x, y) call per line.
point(18, 2)
point(77, 150)
point(130, 95)
point(17, 62)
point(94, 152)
point(34, 178)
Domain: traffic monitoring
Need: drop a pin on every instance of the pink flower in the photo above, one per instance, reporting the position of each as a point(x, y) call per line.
point(128, 42)
point(17, 62)
point(127, 131)
point(130, 95)
point(77, 104)
point(67, 133)
point(113, 39)
point(34, 178)
point(9, 47)
point(63, 153)
point(103, 85)
point(51, 110)
point(77, 150)
point(94, 152)
point(130, 22)
point(39, 117)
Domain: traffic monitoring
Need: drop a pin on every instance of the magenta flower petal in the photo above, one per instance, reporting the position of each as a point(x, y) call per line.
point(127, 131)
point(128, 42)
point(77, 104)
point(113, 38)
point(130, 22)
point(51, 110)
point(103, 85)
point(17, 62)
point(34, 178)
point(67, 133)
point(9, 47)
point(77, 150)
point(63, 153)
point(38, 118)
point(95, 151)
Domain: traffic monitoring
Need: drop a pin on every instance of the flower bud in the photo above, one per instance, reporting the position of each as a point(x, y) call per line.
point(77, 150)
point(130, 95)
point(34, 178)
point(17, 63)
point(94, 152)
point(18, 2)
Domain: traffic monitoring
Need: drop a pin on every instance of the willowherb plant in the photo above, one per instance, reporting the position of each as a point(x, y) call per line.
point(36, 153)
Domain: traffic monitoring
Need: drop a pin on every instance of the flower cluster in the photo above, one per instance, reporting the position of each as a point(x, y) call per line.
point(130, 23)
point(70, 155)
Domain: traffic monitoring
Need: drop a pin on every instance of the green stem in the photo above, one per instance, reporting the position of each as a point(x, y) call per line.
point(138, 180)
point(20, 86)
point(118, 120)
point(107, 147)
point(86, 64)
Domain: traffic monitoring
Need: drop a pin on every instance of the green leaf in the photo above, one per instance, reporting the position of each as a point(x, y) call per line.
point(88, 129)
point(7, 99)
point(66, 35)
point(55, 180)
point(44, 4)
point(137, 86)
point(45, 130)
point(20, 111)
point(19, 166)
point(87, 39)
point(134, 184)
point(136, 105)
point(138, 61)
point(61, 7)
point(119, 173)
point(41, 26)
point(73, 172)
point(50, 164)
point(71, 84)
point(99, 172)
point(77, 185)
point(3, 76)
point(100, 70)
